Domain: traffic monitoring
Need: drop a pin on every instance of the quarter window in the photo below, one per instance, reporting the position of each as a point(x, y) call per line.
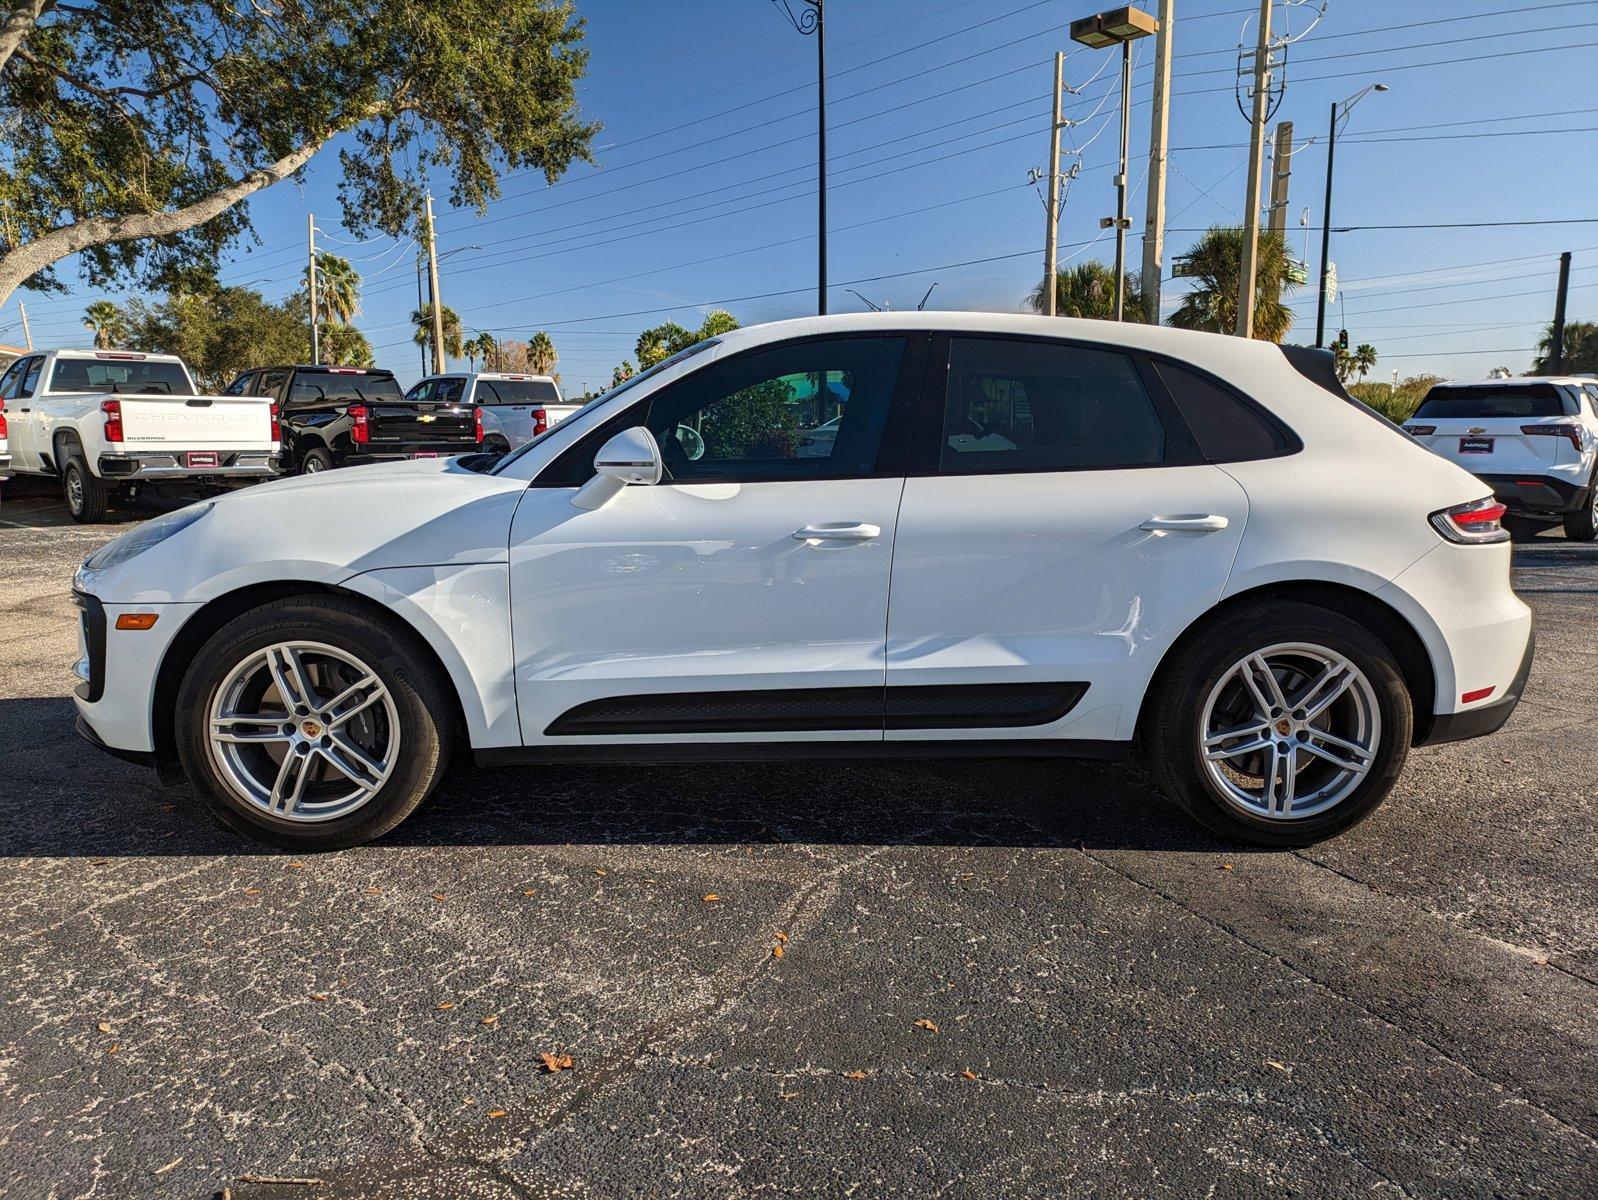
point(806, 410)
point(1015, 405)
point(30, 381)
point(1228, 429)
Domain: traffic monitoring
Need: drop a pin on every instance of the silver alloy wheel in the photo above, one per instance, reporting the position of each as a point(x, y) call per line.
point(311, 466)
point(303, 731)
point(1289, 731)
point(74, 489)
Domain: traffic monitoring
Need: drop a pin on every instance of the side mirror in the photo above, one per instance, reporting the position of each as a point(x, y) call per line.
point(631, 457)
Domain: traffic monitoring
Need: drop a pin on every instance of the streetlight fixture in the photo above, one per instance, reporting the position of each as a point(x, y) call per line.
point(810, 18)
point(1117, 27)
point(1339, 114)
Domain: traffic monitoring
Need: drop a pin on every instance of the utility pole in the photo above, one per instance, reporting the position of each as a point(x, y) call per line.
point(1281, 170)
point(310, 241)
point(1326, 231)
point(421, 307)
point(1051, 227)
point(821, 156)
point(1256, 153)
point(27, 331)
point(1154, 226)
point(1121, 220)
point(433, 292)
point(1556, 342)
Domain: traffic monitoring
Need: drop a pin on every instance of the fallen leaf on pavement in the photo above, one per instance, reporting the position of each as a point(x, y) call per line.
point(968, 1074)
point(296, 866)
point(1282, 1067)
point(599, 870)
point(491, 1019)
point(372, 891)
point(442, 1005)
point(252, 891)
point(924, 1023)
point(168, 1167)
point(854, 1074)
point(440, 897)
point(710, 897)
point(114, 1049)
point(319, 996)
point(495, 1114)
point(104, 1026)
point(1226, 866)
point(529, 892)
point(781, 936)
point(556, 1062)
point(776, 952)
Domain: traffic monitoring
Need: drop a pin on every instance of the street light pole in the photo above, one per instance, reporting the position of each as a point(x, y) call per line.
point(811, 19)
point(1339, 111)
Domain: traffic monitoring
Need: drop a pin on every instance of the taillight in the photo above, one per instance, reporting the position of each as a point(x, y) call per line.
point(477, 423)
point(1477, 522)
point(277, 425)
point(540, 421)
point(2, 418)
point(113, 419)
point(1571, 433)
point(360, 431)
point(1420, 430)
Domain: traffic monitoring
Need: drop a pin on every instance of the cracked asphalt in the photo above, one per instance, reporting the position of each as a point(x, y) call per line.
point(1122, 1006)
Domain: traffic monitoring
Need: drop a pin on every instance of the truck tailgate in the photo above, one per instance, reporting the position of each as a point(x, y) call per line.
point(195, 422)
point(435, 425)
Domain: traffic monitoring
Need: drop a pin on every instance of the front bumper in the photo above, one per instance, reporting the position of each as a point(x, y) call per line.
point(117, 671)
point(1537, 493)
point(232, 466)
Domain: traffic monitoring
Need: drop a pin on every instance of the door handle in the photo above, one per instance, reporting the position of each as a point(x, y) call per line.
point(843, 531)
point(1204, 524)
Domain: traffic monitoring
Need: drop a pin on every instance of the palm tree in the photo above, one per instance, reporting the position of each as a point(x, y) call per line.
point(1087, 290)
point(106, 322)
point(422, 318)
point(338, 287)
point(482, 346)
point(1215, 262)
point(1364, 358)
point(541, 356)
point(1581, 349)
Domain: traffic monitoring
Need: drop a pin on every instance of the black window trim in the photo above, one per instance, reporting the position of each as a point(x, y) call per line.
point(1181, 447)
point(897, 432)
point(1290, 442)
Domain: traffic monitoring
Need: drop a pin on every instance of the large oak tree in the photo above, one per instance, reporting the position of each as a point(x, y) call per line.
point(131, 131)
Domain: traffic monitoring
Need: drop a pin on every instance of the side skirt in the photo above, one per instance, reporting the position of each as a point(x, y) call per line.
point(670, 752)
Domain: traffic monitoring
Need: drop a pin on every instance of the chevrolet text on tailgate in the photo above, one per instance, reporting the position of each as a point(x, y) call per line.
point(107, 423)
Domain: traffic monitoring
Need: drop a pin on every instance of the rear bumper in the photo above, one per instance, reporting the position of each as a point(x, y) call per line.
point(239, 465)
point(1537, 493)
point(401, 453)
point(1479, 722)
point(5, 465)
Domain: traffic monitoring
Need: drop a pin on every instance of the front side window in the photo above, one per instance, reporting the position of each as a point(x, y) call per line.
point(239, 386)
point(421, 393)
point(806, 410)
point(12, 377)
point(1013, 405)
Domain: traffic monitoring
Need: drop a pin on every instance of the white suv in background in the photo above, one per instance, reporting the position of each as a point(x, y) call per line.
point(1534, 440)
point(1029, 536)
point(516, 408)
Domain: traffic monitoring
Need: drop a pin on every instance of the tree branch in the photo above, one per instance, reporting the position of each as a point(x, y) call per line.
point(19, 22)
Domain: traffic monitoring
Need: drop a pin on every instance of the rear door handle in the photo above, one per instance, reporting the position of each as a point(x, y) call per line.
point(845, 531)
point(1205, 524)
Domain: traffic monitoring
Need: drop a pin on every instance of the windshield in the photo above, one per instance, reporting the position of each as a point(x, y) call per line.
point(120, 375)
point(606, 397)
point(328, 387)
point(1526, 400)
point(517, 391)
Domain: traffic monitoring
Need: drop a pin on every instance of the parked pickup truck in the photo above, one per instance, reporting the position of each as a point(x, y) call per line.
point(107, 423)
point(516, 408)
point(345, 416)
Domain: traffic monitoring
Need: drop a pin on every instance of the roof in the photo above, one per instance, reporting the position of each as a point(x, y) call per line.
point(1522, 381)
point(487, 375)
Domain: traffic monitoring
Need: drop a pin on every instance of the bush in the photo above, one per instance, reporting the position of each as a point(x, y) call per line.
point(1396, 404)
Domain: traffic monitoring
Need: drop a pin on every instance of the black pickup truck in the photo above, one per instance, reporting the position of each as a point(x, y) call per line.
point(344, 416)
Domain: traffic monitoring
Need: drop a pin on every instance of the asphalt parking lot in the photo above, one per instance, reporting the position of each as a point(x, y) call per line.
point(977, 979)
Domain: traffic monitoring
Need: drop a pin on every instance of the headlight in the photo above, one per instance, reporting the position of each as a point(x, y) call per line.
point(137, 541)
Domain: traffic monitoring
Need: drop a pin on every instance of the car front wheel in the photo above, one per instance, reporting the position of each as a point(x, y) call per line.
point(313, 724)
point(1283, 725)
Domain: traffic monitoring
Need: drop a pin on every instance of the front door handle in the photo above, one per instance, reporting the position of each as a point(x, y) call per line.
point(1204, 524)
point(842, 531)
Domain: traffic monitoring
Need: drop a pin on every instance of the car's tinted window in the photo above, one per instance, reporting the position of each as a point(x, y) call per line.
point(30, 381)
point(270, 383)
point(239, 386)
point(1016, 405)
point(1592, 397)
point(1228, 429)
point(768, 414)
point(422, 391)
point(329, 387)
point(12, 377)
point(449, 390)
point(1499, 400)
point(517, 391)
point(119, 375)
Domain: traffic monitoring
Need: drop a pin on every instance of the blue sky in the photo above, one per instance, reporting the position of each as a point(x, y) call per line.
point(703, 195)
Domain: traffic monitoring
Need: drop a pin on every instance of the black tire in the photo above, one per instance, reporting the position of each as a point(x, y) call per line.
point(1202, 661)
point(87, 498)
point(1582, 525)
point(390, 650)
point(316, 460)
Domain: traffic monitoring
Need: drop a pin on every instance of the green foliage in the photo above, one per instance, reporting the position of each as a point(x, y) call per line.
point(541, 356)
point(1216, 261)
point(344, 345)
point(621, 374)
point(759, 422)
point(1396, 404)
point(105, 321)
point(1358, 361)
point(1087, 290)
point(422, 320)
point(338, 287)
point(222, 331)
point(123, 111)
point(484, 347)
point(1581, 349)
point(661, 342)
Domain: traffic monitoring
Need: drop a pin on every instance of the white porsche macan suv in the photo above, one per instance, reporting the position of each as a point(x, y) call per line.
point(1022, 535)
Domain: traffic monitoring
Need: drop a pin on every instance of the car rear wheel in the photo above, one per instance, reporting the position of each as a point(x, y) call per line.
point(1283, 725)
point(316, 460)
point(312, 724)
point(1582, 525)
point(87, 498)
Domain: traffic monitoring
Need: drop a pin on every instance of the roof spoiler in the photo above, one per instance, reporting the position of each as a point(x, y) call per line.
point(1319, 367)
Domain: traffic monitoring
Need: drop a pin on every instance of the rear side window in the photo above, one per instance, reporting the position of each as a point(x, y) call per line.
point(1014, 405)
point(1228, 428)
point(517, 391)
point(1505, 400)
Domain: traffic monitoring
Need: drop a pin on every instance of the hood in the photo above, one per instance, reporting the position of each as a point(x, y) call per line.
point(324, 528)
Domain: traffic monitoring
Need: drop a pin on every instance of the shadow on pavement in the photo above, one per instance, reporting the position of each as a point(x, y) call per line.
point(62, 797)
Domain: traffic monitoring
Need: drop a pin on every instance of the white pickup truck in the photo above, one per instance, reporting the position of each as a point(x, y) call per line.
point(108, 422)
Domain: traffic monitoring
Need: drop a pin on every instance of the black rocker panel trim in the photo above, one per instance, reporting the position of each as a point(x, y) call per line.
point(959, 706)
point(676, 752)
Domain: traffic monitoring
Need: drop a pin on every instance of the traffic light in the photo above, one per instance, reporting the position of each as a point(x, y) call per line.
point(1342, 339)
